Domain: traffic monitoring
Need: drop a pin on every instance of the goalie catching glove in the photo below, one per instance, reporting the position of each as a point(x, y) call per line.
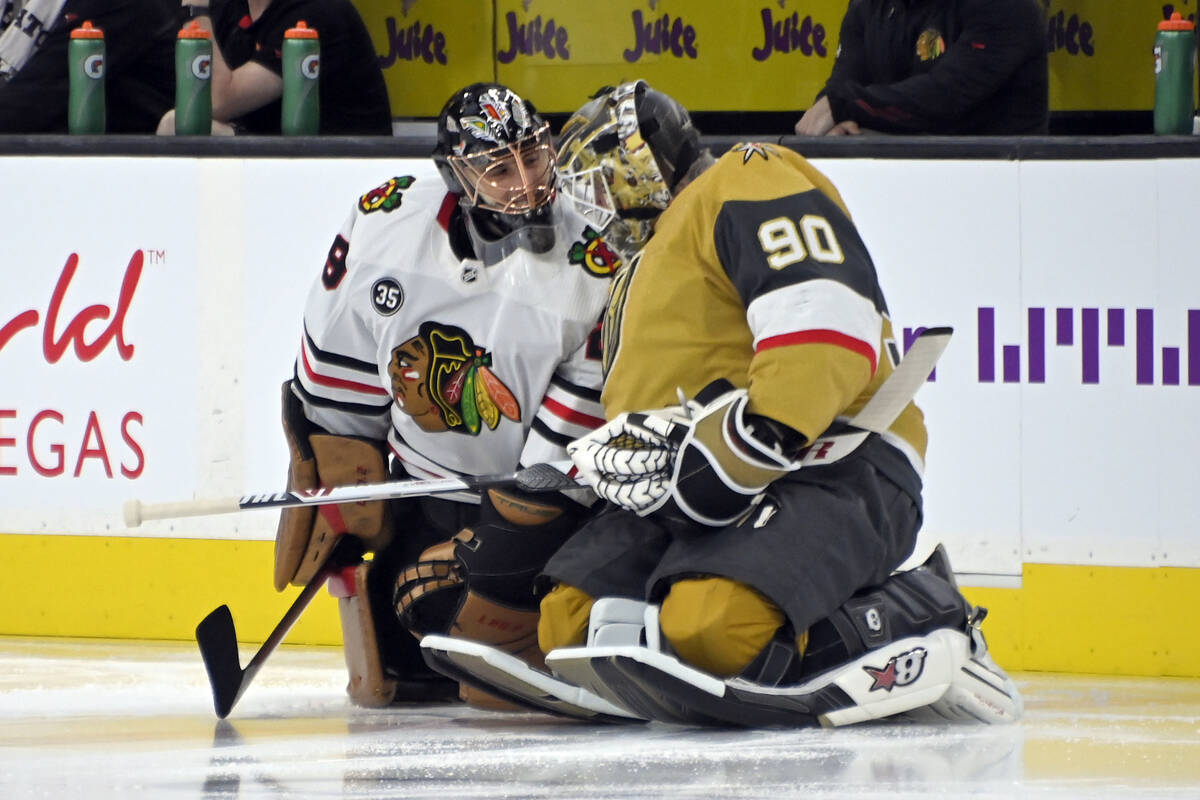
point(708, 461)
point(479, 585)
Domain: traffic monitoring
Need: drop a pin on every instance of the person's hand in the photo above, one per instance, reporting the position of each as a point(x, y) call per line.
point(166, 125)
point(817, 121)
point(846, 127)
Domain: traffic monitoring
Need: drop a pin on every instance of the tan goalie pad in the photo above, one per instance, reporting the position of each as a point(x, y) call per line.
point(367, 686)
point(437, 569)
point(510, 630)
point(521, 510)
point(339, 461)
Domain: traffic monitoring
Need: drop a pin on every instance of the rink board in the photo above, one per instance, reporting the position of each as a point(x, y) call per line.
point(145, 341)
point(1095, 620)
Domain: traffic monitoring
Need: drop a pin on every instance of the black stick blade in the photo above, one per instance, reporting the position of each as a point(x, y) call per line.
point(544, 478)
point(217, 638)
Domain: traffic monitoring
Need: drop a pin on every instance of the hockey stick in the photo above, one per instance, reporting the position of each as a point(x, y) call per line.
point(218, 640)
point(888, 402)
point(906, 379)
point(537, 478)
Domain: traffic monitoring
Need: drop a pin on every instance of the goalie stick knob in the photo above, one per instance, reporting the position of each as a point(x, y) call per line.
point(133, 513)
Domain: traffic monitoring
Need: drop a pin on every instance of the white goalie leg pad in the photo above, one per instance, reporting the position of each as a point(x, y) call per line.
point(907, 674)
point(495, 669)
point(592, 668)
point(980, 691)
point(617, 625)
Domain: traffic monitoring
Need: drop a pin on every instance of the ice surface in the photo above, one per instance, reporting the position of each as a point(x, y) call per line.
point(92, 719)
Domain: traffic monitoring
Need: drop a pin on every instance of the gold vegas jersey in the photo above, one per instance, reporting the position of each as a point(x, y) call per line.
point(756, 274)
point(462, 368)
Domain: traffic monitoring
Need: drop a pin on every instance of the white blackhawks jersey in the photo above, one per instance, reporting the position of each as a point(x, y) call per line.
point(464, 369)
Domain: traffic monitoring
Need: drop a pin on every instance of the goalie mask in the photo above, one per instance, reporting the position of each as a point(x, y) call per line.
point(495, 151)
point(621, 158)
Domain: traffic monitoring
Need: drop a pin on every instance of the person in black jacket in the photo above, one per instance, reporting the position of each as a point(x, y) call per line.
point(139, 37)
point(968, 67)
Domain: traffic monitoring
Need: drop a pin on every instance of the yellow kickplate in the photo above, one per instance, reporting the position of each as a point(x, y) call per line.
point(1064, 618)
point(148, 588)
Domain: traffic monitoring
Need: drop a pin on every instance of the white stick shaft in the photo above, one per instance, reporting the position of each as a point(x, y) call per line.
point(136, 511)
point(902, 385)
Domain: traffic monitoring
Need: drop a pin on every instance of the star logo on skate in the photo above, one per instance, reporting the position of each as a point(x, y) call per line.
point(594, 254)
point(901, 670)
point(751, 149)
point(387, 196)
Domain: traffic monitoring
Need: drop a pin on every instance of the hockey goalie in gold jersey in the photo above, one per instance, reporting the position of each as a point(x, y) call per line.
point(746, 334)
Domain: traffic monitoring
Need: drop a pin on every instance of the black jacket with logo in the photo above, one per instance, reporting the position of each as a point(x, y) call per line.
point(942, 66)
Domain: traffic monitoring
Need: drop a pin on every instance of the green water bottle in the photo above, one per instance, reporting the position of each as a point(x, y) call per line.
point(193, 81)
point(301, 79)
point(1174, 68)
point(85, 99)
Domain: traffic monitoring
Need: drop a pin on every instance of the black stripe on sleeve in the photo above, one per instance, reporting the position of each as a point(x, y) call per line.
point(551, 435)
point(339, 360)
point(582, 392)
point(324, 402)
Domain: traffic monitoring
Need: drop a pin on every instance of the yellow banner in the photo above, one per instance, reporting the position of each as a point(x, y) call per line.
point(429, 48)
point(713, 55)
point(1102, 52)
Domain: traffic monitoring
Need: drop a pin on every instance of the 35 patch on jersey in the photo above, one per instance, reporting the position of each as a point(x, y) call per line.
point(387, 196)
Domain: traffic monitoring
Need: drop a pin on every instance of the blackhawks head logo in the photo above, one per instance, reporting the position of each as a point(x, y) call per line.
point(445, 383)
point(930, 45)
point(594, 254)
point(387, 196)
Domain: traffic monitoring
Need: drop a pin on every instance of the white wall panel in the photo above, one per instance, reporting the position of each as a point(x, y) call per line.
point(1061, 455)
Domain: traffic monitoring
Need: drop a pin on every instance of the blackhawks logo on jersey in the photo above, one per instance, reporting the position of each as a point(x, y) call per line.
point(386, 196)
point(444, 381)
point(594, 254)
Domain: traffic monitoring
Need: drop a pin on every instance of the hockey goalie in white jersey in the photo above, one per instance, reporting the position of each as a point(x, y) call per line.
point(453, 331)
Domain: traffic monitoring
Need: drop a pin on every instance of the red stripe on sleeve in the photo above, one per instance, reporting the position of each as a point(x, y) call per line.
point(338, 383)
point(571, 415)
point(821, 336)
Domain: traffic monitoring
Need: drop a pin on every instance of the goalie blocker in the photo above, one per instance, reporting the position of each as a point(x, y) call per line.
point(382, 659)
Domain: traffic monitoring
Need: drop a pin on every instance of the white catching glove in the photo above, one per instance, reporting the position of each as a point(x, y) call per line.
point(703, 461)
